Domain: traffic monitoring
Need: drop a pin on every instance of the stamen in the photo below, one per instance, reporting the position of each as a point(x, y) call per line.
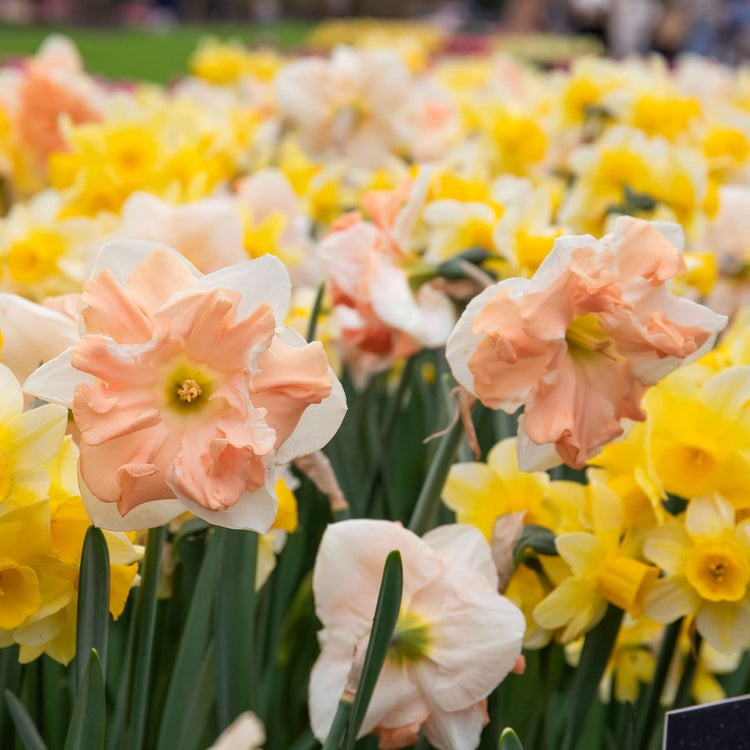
point(189, 391)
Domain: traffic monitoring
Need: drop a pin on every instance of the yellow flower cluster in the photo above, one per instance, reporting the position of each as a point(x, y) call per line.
point(661, 529)
point(42, 527)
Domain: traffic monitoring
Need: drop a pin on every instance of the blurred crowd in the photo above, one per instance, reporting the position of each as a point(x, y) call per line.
point(720, 28)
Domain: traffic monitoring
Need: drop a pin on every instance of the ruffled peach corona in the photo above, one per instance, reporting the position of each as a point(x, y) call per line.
point(456, 638)
point(580, 342)
point(188, 389)
point(380, 316)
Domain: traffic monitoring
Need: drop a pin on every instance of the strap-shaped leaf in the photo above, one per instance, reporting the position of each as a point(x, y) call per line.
point(201, 703)
point(86, 731)
point(93, 602)
point(143, 637)
point(24, 724)
point(509, 740)
point(383, 626)
point(235, 622)
point(192, 648)
point(597, 649)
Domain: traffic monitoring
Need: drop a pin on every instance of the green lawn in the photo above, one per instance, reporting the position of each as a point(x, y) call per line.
point(146, 55)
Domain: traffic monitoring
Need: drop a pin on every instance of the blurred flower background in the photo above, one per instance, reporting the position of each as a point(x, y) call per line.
point(373, 374)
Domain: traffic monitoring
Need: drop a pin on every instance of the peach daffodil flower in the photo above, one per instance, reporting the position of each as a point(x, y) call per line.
point(379, 315)
point(456, 638)
point(188, 389)
point(581, 342)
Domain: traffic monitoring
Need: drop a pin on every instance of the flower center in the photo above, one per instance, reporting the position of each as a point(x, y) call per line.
point(585, 335)
point(411, 639)
point(190, 390)
point(718, 571)
point(188, 387)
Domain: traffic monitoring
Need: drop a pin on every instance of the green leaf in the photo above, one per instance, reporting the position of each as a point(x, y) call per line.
point(191, 527)
point(426, 507)
point(143, 637)
point(235, 622)
point(340, 723)
point(649, 715)
point(201, 703)
point(192, 648)
point(383, 626)
point(536, 538)
point(452, 269)
point(93, 602)
point(86, 731)
point(594, 657)
point(509, 740)
point(313, 324)
point(24, 724)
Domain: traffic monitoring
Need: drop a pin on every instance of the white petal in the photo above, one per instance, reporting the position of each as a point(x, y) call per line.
point(327, 682)
point(476, 637)
point(455, 730)
point(349, 568)
point(146, 516)
point(254, 510)
point(464, 546)
point(246, 732)
point(319, 422)
point(32, 334)
point(56, 380)
point(532, 456)
point(264, 279)
point(122, 256)
point(396, 702)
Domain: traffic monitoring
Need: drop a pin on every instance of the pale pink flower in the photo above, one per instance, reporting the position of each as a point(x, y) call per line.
point(188, 389)
point(32, 334)
point(208, 232)
point(455, 640)
point(380, 317)
point(580, 342)
point(351, 105)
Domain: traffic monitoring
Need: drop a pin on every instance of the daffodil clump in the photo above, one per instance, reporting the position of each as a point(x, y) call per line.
point(376, 350)
point(42, 527)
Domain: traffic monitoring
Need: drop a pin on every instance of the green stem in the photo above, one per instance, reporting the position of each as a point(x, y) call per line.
point(596, 652)
point(338, 728)
point(682, 696)
point(656, 686)
point(144, 623)
point(386, 433)
point(312, 326)
point(425, 510)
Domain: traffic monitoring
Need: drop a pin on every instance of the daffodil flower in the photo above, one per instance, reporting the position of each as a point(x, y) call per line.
point(188, 389)
point(602, 573)
point(706, 560)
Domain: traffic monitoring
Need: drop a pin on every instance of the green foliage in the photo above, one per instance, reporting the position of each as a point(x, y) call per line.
point(27, 731)
point(87, 725)
point(93, 602)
